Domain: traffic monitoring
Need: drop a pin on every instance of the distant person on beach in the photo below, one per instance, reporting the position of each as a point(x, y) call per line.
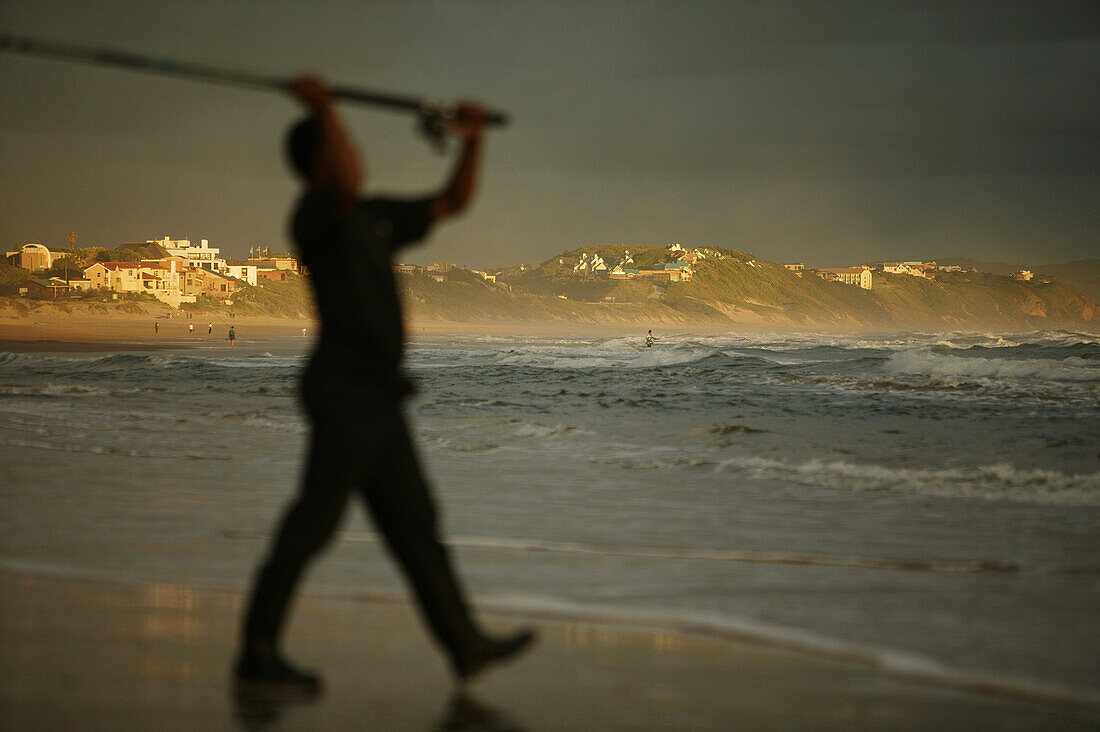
point(232, 336)
point(353, 390)
point(190, 328)
point(209, 328)
point(156, 327)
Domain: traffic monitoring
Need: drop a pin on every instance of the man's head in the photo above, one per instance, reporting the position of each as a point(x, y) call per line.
point(303, 140)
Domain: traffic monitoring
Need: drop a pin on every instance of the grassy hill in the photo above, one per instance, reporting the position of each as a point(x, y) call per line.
point(733, 287)
point(1084, 274)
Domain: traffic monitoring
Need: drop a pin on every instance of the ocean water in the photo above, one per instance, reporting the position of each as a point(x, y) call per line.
point(926, 501)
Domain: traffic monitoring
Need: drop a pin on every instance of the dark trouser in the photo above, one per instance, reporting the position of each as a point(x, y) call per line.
point(361, 443)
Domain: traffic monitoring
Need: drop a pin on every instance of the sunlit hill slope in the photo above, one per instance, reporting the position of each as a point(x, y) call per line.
point(738, 288)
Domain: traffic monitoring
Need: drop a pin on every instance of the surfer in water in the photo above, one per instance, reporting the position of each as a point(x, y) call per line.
point(650, 339)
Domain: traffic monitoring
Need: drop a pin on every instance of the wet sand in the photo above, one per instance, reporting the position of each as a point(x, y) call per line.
point(78, 653)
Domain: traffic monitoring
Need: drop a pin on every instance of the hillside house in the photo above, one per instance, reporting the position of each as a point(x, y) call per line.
point(274, 275)
point(289, 264)
point(202, 256)
point(163, 279)
point(45, 289)
point(31, 257)
point(244, 272)
point(623, 273)
point(860, 276)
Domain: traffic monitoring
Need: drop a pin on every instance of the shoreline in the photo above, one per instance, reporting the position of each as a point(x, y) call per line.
point(50, 331)
point(119, 652)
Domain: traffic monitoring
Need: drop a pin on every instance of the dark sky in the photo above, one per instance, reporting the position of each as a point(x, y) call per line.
point(824, 132)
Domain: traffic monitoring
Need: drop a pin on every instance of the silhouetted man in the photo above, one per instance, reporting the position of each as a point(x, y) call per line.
point(352, 391)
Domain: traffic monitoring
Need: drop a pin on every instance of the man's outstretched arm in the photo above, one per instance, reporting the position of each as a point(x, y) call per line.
point(456, 196)
point(336, 168)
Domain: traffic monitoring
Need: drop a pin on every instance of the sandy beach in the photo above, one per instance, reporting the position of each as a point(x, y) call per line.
point(45, 326)
point(101, 655)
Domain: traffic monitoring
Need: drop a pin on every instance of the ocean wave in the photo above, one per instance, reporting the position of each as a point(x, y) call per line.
point(532, 429)
point(444, 443)
point(290, 425)
point(53, 390)
point(632, 358)
point(950, 368)
point(112, 363)
point(726, 429)
point(987, 482)
point(111, 450)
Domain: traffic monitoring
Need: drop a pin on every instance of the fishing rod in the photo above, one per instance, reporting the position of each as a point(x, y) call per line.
point(434, 117)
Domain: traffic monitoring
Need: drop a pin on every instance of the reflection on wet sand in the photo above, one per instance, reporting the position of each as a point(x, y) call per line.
point(465, 713)
point(78, 652)
point(261, 706)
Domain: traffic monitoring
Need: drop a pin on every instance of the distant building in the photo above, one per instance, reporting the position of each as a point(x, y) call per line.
point(796, 267)
point(668, 271)
point(485, 276)
point(438, 276)
point(273, 275)
point(198, 281)
point(163, 279)
point(43, 289)
point(32, 257)
point(202, 256)
point(243, 272)
point(288, 263)
point(916, 269)
point(405, 268)
point(1024, 275)
point(860, 276)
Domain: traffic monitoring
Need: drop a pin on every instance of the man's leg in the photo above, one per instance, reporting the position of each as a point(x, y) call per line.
point(306, 528)
point(403, 510)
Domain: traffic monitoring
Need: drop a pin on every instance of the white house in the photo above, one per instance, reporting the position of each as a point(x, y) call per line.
point(203, 255)
point(246, 272)
point(848, 275)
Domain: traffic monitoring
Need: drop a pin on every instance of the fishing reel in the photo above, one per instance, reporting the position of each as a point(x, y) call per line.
point(432, 122)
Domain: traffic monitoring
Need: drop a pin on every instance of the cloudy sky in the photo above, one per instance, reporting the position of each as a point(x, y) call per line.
point(824, 132)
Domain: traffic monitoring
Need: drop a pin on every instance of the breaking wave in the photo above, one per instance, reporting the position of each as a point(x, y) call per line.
point(986, 482)
point(956, 368)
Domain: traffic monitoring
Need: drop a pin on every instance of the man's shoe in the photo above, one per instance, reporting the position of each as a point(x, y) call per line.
point(268, 670)
point(487, 650)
